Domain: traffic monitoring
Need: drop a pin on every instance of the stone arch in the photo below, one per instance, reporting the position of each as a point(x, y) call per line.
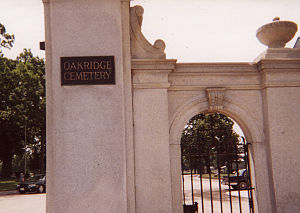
point(237, 111)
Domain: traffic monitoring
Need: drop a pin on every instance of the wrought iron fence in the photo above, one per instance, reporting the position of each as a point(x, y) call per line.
point(217, 179)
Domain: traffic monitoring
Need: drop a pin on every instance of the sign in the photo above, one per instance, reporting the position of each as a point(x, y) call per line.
point(87, 70)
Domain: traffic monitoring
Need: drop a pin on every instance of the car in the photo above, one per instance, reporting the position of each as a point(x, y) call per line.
point(36, 183)
point(239, 181)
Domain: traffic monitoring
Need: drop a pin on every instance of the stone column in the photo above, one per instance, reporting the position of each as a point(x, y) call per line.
point(86, 136)
point(280, 68)
point(177, 199)
point(151, 135)
point(261, 177)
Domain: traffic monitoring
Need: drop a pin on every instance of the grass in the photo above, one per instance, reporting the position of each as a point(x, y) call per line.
point(213, 176)
point(8, 184)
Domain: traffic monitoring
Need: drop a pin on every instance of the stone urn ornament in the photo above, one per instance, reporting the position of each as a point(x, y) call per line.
point(277, 33)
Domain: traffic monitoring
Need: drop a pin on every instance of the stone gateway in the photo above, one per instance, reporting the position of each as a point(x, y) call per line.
point(113, 142)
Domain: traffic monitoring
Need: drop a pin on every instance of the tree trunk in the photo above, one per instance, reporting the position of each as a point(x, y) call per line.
point(207, 162)
point(6, 166)
point(43, 150)
point(6, 154)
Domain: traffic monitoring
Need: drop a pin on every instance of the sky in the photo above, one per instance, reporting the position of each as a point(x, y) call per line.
point(24, 19)
point(193, 30)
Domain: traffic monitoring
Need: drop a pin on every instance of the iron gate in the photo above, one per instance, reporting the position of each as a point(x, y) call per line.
point(216, 178)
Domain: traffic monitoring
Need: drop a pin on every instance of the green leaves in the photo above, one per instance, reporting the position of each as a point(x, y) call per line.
point(207, 136)
point(22, 102)
point(6, 39)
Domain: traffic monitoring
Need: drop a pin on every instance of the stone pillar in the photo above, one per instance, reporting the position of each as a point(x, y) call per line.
point(280, 70)
point(177, 199)
point(86, 136)
point(151, 135)
point(261, 176)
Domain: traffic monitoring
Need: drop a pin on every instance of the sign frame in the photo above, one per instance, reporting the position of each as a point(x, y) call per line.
point(87, 70)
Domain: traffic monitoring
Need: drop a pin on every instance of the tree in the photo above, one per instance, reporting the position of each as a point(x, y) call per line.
point(35, 104)
point(22, 109)
point(6, 39)
point(209, 140)
point(7, 145)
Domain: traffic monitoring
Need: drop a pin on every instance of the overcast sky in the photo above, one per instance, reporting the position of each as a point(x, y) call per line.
point(193, 30)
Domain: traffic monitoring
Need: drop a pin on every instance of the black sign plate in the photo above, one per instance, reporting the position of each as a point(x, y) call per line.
point(87, 70)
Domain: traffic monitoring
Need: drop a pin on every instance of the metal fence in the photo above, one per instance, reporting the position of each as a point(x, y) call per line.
point(217, 179)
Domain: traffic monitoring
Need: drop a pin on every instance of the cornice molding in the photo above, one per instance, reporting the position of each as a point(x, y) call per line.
point(228, 87)
point(151, 85)
point(278, 65)
point(151, 74)
point(47, 1)
point(279, 54)
point(153, 64)
point(279, 84)
point(215, 67)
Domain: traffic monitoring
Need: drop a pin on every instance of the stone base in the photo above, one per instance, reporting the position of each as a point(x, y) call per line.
point(278, 53)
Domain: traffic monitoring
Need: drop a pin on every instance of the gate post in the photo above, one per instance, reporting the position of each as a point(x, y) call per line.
point(280, 70)
point(151, 135)
point(88, 125)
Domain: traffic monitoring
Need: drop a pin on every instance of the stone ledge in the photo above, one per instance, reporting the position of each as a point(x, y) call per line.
point(279, 65)
point(162, 85)
point(279, 53)
point(215, 67)
point(203, 87)
point(153, 64)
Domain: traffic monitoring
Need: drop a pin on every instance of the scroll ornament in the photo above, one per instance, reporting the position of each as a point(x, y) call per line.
point(140, 46)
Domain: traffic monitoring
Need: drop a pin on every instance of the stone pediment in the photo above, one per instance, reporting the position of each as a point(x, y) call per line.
point(141, 48)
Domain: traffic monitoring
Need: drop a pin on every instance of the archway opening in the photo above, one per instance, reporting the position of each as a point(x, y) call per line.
point(215, 166)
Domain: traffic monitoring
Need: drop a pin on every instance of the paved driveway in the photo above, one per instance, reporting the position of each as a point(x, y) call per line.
point(23, 203)
point(36, 203)
point(215, 194)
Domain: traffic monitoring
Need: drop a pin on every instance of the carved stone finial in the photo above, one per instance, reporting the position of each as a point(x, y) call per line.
point(140, 46)
point(215, 98)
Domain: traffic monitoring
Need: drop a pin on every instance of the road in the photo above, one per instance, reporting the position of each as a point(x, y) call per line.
point(23, 203)
point(215, 194)
point(36, 203)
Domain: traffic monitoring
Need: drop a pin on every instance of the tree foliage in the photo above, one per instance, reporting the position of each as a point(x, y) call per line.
point(208, 140)
point(6, 39)
point(22, 109)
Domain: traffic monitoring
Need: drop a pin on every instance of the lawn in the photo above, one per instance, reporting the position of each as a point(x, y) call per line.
point(213, 176)
point(8, 184)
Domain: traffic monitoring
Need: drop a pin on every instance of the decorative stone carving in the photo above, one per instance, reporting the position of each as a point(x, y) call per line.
point(215, 98)
point(140, 46)
point(277, 33)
